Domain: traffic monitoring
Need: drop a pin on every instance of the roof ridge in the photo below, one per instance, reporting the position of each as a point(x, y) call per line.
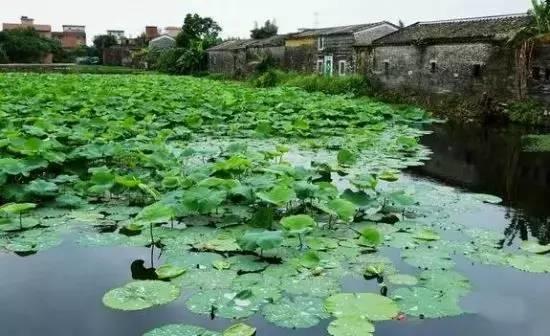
point(473, 19)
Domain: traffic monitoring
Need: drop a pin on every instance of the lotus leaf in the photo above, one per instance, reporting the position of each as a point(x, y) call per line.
point(168, 271)
point(240, 329)
point(140, 295)
point(351, 326)
point(180, 330)
point(370, 306)
point(420, 301)
point(300, 312)
point(225, 303)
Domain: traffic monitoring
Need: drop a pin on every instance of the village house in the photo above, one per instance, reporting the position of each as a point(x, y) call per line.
point(162, 42)
point(72, 36)
point(476, 58)
point(237, 58)
point(330, 51)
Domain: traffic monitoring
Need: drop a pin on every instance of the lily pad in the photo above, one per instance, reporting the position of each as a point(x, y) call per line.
point(370, 306)
point(351, 326)
point(535, 247)
point(298, 224)
point(168, 271)
point(427, 259)
point(420, 301)
point(225, 303)
point(180, 330)
point(240, 329)
point(140, 295)
point(301, 312)
point(402, 280)
point(427, 235)
point(531, 263)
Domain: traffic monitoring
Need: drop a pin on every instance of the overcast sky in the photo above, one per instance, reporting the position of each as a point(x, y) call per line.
point(237, 17)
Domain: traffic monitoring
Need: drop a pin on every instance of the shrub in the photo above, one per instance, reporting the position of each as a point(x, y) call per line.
point(528, 112)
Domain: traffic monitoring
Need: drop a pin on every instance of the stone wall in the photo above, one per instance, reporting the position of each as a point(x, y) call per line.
point(476, 69)
point(301, 59)
point(242, 62)
point(539, 79)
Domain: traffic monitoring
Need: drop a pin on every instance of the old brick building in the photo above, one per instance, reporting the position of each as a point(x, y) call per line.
point(42, 29)
point(471, 56)
point(72, 36)
point(331, 50)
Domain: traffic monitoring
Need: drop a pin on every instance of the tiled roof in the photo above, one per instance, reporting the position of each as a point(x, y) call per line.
point(337, 30)
point(274, 41)
point(488, 28)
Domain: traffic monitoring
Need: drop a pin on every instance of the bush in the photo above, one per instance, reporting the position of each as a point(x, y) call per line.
point(528, 112)
point(3, 56)
point(354, 85)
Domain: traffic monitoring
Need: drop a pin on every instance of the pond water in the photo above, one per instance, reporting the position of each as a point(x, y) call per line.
point(58, 291)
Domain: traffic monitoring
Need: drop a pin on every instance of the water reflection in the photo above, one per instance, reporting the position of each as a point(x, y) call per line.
point(490, 160)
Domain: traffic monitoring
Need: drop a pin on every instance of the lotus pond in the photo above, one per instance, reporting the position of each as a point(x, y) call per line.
point(155, 205)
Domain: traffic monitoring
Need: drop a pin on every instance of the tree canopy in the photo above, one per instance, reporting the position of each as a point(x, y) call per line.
point(25, 46)
point(198, 32)
point(269, 29)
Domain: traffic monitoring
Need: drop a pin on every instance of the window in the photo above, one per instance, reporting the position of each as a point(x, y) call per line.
point(547, 74)
point(433, 66)
point(536, 73)
point(387, 67)
point(320, 63)
point(476, 71)
point(321, 42)
point(342, 68)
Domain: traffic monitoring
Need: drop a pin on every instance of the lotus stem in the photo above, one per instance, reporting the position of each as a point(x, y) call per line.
point(151, 232)
point(21, 221)
point(301, 242)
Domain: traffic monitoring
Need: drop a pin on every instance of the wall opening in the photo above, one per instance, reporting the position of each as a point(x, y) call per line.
point(321, 43)
point(547, 74)
point(387, 67)
point(476, 71)
point(433, 66)
point(342, 68)
point(536, 73)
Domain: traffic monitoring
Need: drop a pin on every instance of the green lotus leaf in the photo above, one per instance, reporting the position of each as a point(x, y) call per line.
point(300, 312)
point(318, 286)
point(403, 280)
point(531, 263)
point(247, 263)
point(427, 258)
point(69, 201)
point(12, 166)
point(17, 208)
point(310, 260)
point(427, 235)
point(420, 301)
point(42, 188)
point(448, 282)
point(389, 176)
point(191, 260)
point(219, 245)
point(180, 330)
point(279, 195)
point(155, 213)
point(139, 295)
point(369, 306)
point(535, 247)
point(207, 279)
point(168, 271)
point(263, 240)
point(225, 303)
point(346, 157)
point(351, 326)
point(344, 209)
point(370, 236)
point(298, 224)
point(240, 329)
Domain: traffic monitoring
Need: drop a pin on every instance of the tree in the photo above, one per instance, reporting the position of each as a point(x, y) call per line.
point(198, 32)
point(25, 46)
point(269, 29)
point(102, 42)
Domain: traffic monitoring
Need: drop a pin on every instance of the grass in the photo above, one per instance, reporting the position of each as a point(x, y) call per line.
point(73, 69)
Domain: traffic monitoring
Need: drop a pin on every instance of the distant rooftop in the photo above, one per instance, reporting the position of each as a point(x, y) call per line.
point(275, 41)
point(309, 32)
point(486, 28)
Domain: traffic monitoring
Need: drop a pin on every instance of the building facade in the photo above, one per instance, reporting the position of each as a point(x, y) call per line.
point(238, 58)
point(330, 51)
point(72, 36)
point(470, 57)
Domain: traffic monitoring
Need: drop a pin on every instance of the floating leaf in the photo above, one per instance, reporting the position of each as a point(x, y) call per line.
point(279, 195)
point(535, 247)
point(371, 236)
point(488, 198)
point(427, 235)
point(240, 329)
point(180, 330)
point(420, 301)
point(225, 303)
point(168, 271)
point(301, 312)
point(531, 263)
point(370, 306)
point(140, 295)
point(427, 258)
point(351, 326)
point(403, 279)
point(298, 224)
point(263, 240)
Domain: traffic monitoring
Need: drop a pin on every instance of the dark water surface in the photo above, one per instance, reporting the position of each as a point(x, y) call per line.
point(58, 292)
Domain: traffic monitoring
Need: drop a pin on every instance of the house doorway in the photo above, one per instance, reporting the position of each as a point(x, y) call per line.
point(329, 65)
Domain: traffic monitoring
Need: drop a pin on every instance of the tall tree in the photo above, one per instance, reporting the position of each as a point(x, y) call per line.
point(102, 42)
point(269, 29)
point(198, 32)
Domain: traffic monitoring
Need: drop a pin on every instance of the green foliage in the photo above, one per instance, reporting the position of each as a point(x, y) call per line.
point(536, 143)
point(269, 29)
point(24, 46)
point(528, 112)
point(102, 42)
